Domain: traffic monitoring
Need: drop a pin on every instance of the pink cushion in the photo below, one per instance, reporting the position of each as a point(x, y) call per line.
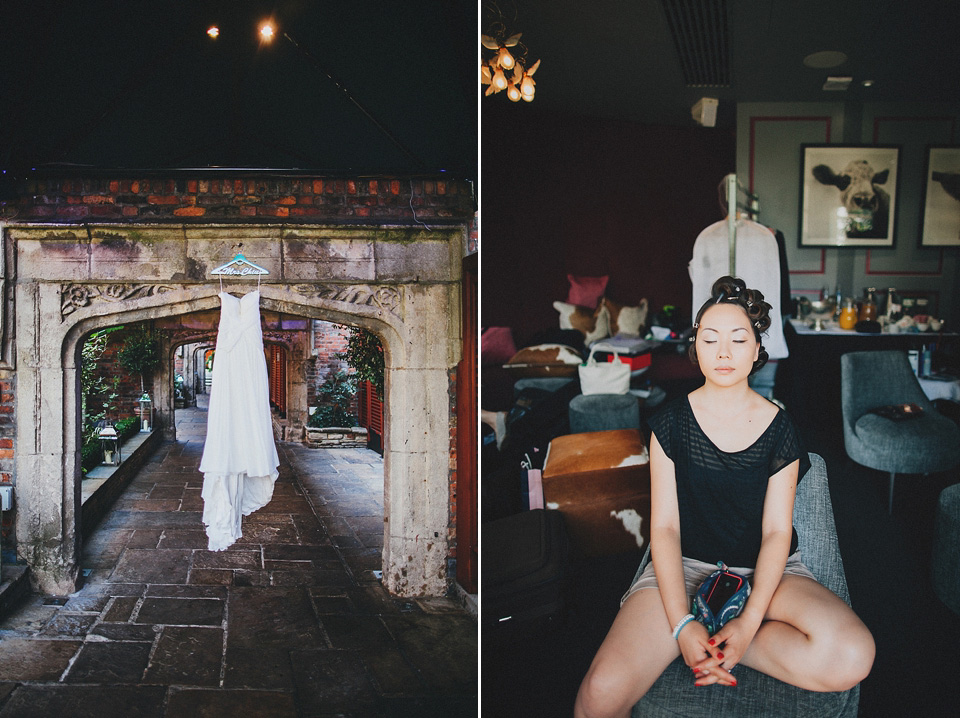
point(586, 291)
point(496, 345)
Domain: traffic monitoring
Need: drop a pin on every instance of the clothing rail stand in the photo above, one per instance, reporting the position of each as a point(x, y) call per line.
point(752, 208)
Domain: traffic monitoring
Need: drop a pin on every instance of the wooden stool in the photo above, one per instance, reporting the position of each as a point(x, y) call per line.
point(600, 481)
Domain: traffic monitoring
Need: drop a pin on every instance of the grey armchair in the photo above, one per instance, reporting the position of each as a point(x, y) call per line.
point(921, 445)
point(758, 695)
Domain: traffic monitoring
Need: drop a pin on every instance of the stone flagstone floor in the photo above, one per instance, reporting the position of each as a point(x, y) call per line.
point(291, 621)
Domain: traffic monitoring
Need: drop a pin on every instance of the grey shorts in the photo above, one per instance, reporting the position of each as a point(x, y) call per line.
point(694, 573)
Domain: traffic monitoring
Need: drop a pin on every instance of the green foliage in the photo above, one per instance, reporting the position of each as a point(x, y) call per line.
point(335, 395)
point(98, 395)
point(365, 354)
point(91, 454)
point(140, 352)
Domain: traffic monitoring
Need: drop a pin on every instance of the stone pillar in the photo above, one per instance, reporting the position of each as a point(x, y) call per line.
point(47, 533)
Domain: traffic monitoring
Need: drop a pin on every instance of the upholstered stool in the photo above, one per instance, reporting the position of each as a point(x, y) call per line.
point(946, 548)
point(547, 383)
point(600, 481)
point(603, 412)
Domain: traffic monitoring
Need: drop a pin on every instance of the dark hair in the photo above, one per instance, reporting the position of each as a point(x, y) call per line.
point(733, 290)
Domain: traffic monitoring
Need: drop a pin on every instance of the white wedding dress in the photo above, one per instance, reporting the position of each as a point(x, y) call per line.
point(240, 459)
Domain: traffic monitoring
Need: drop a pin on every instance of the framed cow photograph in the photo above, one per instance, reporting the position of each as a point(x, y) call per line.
point(940, 220)
point(848, 195)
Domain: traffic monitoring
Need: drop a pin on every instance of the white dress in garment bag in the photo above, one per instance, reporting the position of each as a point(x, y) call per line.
point(240, 459)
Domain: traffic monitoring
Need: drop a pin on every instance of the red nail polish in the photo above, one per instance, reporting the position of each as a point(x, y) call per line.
point(712, 641)
point(734, 683)
point(720, 656)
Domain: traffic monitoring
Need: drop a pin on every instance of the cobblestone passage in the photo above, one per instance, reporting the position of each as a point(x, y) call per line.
point(291, 621)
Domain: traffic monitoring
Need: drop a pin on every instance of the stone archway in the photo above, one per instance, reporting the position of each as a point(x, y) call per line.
point(401, 284)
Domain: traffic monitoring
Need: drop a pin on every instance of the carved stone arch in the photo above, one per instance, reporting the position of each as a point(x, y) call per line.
point(403, 285)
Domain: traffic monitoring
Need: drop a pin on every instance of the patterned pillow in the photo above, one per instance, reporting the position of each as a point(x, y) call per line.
point(586, 291)
point(626, 320)
point(545, 360)
point(593, 324)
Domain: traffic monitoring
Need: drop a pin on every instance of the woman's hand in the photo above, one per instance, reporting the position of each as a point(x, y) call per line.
point(698, 654)
point(726, 648)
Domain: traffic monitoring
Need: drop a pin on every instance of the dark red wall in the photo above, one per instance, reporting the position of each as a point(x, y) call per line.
point(567, 194)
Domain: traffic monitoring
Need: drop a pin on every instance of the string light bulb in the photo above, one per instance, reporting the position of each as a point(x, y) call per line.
point(213, 32)
point(494, 70)
point(267, 31)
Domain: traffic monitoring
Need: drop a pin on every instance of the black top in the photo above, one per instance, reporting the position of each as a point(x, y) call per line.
point(721, 494)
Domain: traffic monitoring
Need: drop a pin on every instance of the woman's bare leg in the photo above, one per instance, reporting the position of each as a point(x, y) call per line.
point(811, 639)
point(637, 649)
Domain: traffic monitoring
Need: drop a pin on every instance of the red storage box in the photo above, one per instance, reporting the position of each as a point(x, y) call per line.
point(635, 361)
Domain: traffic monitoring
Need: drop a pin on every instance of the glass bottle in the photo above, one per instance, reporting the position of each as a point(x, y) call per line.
point(848, 313)
point(868, 310)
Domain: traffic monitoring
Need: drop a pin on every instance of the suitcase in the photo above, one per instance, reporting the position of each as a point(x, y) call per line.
point(600, 482)
point(524, 568)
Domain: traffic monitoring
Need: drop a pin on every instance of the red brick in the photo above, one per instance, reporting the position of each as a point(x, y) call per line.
point(189, 212)
point(130, 211)
point(318, 186)
point(248, 211)
point(6, 443)
point(104, 210)
point(6, 453)
point(114, 186)
point(271, 211)
point(163, 199)
point(441, 187)
point(192, 186)
point(373, 187)
point(238, 186)
point(394, 186)
point(351, 187)
point(286, 200)
point(215, 187)
point(6, 409)
point(135, 187)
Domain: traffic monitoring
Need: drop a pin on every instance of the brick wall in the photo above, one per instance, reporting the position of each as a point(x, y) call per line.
point(296, 199)
point(329, 339)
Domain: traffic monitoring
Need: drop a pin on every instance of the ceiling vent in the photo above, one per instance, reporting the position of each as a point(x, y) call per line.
point(699, 31)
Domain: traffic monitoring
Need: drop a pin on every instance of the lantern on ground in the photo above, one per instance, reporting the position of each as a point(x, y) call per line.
point(110, 443)
point(146, 412)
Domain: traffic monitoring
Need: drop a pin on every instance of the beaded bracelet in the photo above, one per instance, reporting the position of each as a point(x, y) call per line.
point(683, 622)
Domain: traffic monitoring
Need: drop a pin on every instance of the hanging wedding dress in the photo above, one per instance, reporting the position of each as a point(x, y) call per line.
point(240, 459)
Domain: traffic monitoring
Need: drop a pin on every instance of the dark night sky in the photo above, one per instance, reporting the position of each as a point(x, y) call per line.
point(138, 84)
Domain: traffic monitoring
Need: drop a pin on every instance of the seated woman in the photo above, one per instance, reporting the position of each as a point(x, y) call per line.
point(724, 466)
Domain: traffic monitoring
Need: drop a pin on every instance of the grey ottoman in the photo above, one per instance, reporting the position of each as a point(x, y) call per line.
point(603, 412)
point(547, 383)
point(946, 548)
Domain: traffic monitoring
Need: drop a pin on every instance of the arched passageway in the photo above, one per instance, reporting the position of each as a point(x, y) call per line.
point(403, 285)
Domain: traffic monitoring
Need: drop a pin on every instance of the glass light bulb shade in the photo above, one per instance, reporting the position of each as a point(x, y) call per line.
point(506, 59)
point(266, 31)
point(528, 98)
point(513, 93)
point(499, 80)
point(527, 86)
point(213, 32)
